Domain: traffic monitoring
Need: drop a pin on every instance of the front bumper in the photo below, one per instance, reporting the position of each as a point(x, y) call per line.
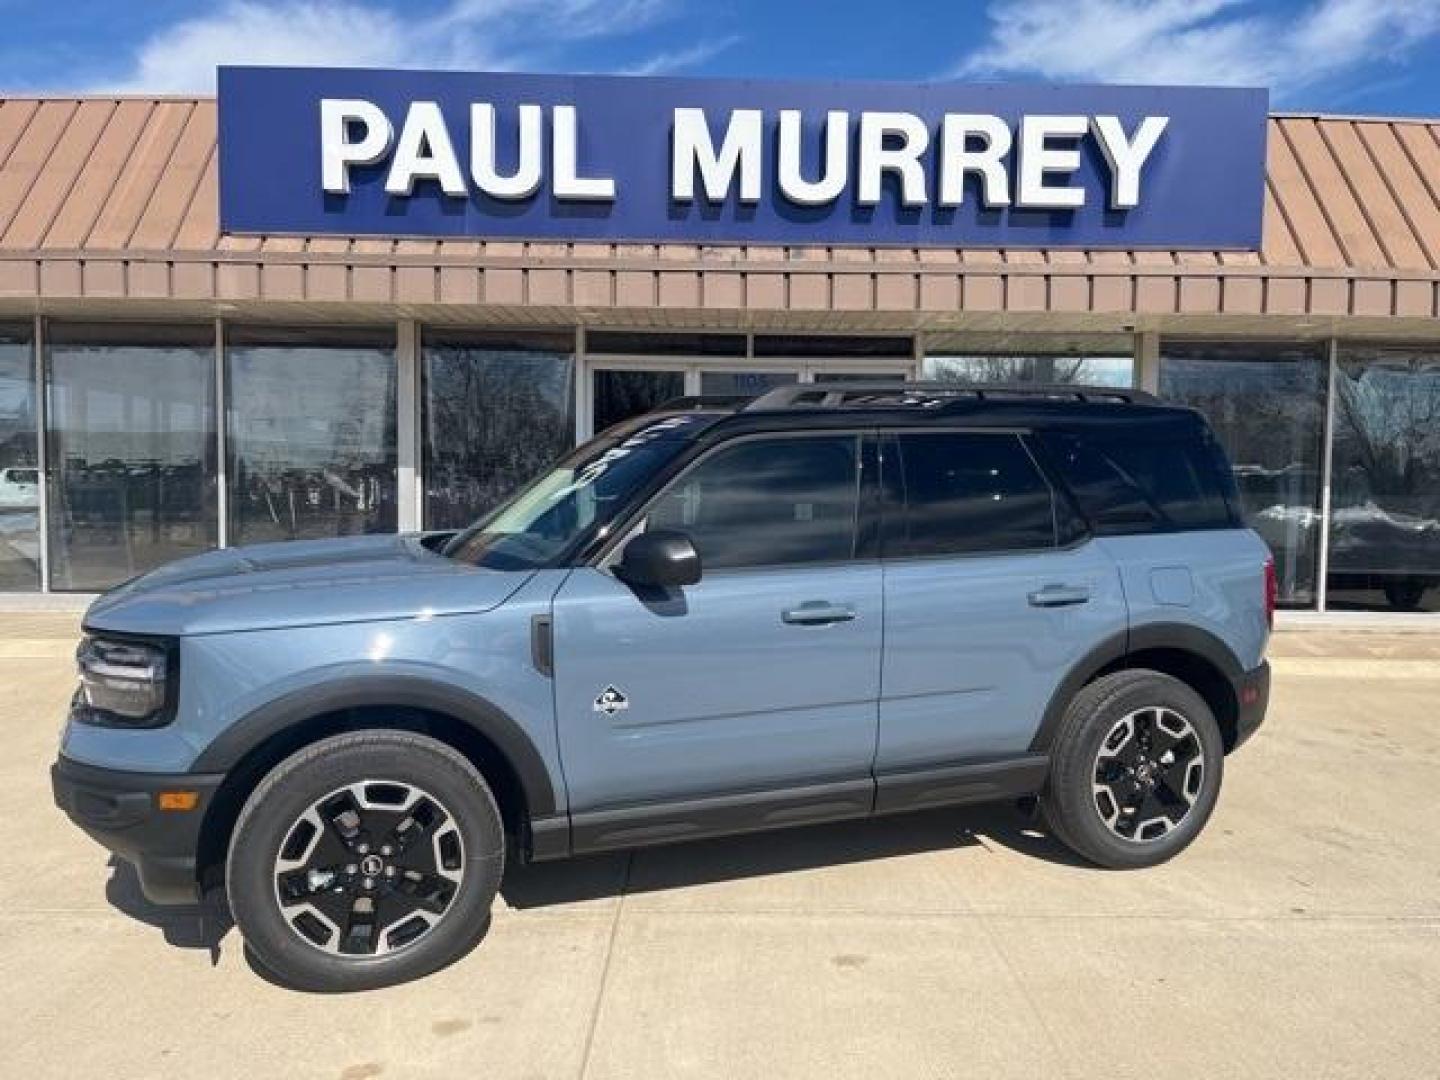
point(1253, 694)
point(121, 811)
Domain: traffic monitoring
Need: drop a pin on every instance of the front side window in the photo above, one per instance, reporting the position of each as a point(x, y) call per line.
point(965, 493)
point(581, 495)
point(768, 502)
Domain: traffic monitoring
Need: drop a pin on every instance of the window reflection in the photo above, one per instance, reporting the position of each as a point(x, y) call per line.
point(620, 395)
point(1045, 370)
point(966, 493)
point(132, 450)
point(770, 502)
point(1385, 482)
point(19, 475)
point(498, 412)
point(1267, 406)
point(744, 383)
point(311, 429)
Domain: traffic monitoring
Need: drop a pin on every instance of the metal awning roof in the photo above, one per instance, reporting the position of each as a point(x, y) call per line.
point(104, 200)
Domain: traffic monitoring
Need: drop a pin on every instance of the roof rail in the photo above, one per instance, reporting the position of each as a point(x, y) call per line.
point(839, 395)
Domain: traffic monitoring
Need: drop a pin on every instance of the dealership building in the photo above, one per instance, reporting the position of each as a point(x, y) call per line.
point(204, 344)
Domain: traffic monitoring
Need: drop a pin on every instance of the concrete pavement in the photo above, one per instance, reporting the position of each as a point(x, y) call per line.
point(1300, 937)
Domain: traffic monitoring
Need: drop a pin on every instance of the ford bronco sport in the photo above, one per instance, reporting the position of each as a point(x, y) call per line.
point(832, 602)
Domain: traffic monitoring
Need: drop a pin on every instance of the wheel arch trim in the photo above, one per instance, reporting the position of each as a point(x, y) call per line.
point(260, 725)
point(1179, 637)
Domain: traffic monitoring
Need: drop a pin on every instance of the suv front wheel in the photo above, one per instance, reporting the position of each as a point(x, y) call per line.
point(1135, 770)
point(365, 859)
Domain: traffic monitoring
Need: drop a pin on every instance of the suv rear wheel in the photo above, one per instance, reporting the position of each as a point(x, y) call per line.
point(365, 859)
point(1135, 770)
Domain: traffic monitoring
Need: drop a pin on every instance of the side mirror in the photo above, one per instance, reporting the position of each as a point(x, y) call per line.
point(661, 559)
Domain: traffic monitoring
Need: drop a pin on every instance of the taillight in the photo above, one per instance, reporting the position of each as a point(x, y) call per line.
point(1271, 590)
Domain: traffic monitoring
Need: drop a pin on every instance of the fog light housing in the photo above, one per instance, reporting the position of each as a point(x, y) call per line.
point(122, 683)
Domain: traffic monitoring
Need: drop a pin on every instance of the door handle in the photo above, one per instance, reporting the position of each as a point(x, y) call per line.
point(817, 613)
point(1059, 596)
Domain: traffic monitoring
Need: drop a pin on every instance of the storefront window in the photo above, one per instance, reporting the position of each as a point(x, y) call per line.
point(311, 432)
point(744, 383)
point(619, 395)
point(832, 346)
point(1267, 406)
point(131, 450)
point(1385, 482)
point(654, 343)
point(498, 412)
point(19, 472)
point(1044, 370)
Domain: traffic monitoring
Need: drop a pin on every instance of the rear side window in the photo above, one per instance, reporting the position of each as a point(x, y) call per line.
point(964, 493)
point(1127, 485)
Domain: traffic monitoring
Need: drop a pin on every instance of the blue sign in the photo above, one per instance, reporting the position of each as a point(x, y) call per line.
point(593, 157)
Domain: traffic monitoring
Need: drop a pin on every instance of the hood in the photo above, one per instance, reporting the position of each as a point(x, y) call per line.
point(306, 583)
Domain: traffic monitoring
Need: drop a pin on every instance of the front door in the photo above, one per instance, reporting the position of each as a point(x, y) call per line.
point(761, 679)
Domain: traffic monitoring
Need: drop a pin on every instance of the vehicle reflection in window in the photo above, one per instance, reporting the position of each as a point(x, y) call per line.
point(19, 477)
point(1385, 482)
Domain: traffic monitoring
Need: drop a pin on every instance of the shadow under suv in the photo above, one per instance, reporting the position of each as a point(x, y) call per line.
point(832, 602)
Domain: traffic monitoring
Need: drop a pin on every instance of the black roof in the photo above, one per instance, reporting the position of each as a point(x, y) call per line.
point(820, 405)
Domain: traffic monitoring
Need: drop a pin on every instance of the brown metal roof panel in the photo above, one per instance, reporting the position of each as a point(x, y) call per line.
point(1338, 201)
point(29, 155)
point(200, 227)
point(175, 186)
point(1420, 143)
point(1277, 246)
point(15, 117)
point(1416, 201)
point(96, 176)
point(1314, 239)
point(57, 176)
point(1377, 203)
point(135, 185)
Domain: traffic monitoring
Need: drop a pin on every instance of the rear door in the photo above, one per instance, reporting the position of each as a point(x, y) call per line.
point(762, 677)
point(992, 592)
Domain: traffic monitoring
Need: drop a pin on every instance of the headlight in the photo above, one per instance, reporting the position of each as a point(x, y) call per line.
point(122, 683)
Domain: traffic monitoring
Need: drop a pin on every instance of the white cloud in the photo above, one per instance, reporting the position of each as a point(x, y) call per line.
point(680, 59)
point(1217, 42)
point(466, 34)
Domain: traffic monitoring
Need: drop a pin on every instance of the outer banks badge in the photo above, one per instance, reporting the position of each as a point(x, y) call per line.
point(611, 701)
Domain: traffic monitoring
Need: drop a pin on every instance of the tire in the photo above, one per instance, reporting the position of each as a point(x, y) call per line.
point(1407, 594)
point(369, 901)
point(1107, 794)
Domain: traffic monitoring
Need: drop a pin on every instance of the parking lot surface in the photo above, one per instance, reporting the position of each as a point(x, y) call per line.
point(1299, 937)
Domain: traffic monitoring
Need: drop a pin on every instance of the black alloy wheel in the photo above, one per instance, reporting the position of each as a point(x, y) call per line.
point(369, 868)
point(1148, 773)
point(1135, 769)
point(364, 860)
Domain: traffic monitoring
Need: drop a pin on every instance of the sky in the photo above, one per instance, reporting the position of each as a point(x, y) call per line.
point(1350, 56)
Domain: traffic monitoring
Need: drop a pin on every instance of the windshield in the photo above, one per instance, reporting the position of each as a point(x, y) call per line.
point(584, 491)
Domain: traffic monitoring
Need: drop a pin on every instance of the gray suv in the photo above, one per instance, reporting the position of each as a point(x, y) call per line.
point(831, 602)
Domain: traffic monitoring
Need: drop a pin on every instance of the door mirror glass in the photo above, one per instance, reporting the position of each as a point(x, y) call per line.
point(662, 559)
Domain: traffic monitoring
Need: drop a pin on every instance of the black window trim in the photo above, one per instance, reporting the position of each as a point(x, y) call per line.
point(626, 525)
point(891, 439)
